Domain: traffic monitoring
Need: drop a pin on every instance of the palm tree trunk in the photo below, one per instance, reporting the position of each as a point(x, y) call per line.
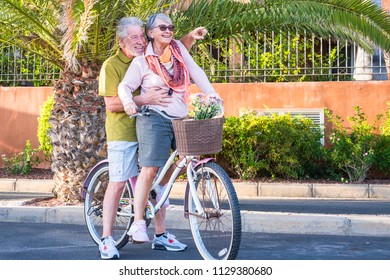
point(78, 131)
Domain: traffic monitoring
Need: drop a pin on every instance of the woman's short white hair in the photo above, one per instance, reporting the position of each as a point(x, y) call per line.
point(151, 21)
point(125, 22)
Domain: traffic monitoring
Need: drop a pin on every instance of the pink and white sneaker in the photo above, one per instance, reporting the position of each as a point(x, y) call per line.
point(137, 232)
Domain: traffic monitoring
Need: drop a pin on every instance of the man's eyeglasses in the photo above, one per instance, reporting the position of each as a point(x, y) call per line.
point(164, 27)
point(135, 37)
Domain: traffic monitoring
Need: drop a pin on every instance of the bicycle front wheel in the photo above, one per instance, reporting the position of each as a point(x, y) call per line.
point(217, 233)
point(93, 208)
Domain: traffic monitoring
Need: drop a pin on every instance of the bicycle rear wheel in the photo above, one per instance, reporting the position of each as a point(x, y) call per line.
point(93, 208)
point(217, 233)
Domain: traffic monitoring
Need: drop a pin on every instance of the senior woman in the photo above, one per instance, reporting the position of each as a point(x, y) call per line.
point(166, 64)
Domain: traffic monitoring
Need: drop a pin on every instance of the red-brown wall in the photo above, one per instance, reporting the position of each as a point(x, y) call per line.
point(339, 97)
point(19, 110)
point(19, 107)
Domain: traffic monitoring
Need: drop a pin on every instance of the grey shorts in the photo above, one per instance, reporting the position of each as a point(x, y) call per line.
point(155, 139)
point(122, 160)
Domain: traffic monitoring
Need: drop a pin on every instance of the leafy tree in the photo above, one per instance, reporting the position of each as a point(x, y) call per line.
point(78, 36)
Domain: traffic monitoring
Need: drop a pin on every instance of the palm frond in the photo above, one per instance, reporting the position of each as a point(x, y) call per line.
point(88, 27)
point(359, 21)
point(144, 8)
point(18, 20)
point(76, 23)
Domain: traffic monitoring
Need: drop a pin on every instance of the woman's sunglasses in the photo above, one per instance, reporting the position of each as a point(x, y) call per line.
point(163, 27)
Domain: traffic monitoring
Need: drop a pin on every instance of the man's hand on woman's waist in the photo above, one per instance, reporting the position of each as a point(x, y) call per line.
point(156, 96)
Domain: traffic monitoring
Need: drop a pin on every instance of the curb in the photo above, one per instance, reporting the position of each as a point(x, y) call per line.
point(243, 189)
point(287, 223)
point(252, 221)
point(25, 185)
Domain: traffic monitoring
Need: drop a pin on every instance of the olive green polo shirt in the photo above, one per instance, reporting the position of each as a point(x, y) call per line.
point(119, 127)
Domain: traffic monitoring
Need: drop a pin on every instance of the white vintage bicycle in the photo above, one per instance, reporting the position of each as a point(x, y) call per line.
point(210, 204)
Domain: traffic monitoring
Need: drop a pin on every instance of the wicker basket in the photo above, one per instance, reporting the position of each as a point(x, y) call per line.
point(198, 137)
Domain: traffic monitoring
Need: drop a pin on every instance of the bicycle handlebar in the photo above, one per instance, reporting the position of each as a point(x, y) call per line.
point(145, 111)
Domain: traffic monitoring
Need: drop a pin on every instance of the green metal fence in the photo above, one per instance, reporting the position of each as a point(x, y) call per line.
point(262, 57)
point(288, 57)
point(21, 68)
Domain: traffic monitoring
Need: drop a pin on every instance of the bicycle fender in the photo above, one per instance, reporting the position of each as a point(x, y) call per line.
point(186, 195)
point(90, 175)
point(186, 215)
point(205, 160)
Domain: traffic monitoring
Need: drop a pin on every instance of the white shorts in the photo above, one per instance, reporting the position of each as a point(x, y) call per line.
point(122, 160)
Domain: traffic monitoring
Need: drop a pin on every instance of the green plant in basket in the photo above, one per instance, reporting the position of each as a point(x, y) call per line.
point(205, 106)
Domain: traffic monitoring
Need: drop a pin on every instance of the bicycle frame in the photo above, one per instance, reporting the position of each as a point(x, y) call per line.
point(210, 205)
point(190, 162)
point(191, 176)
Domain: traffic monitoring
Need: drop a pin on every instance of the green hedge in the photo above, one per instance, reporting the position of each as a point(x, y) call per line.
point(286, 147)
point(382, 149)
point(276, 147)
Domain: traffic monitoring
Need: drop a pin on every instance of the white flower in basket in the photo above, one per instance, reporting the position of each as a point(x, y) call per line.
point(205, 106)
point(201, 133)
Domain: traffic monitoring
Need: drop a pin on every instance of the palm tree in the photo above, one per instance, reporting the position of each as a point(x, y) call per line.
point(79, 35)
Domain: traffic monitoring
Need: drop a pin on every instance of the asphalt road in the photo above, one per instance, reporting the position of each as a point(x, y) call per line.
point(36, 241)
point(311, 205)
point(324, 206)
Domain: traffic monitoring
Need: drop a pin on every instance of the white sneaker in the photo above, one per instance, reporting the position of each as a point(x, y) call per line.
point(137, 232)
point(168, 242)
point(159, 192)
point(107, 248)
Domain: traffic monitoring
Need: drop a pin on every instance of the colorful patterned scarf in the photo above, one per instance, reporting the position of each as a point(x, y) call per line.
point(180, 80)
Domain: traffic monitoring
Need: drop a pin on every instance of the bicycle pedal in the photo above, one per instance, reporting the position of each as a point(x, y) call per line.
point(134, 241)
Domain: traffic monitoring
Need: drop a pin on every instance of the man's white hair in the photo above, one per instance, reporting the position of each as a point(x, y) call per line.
point(125, 22)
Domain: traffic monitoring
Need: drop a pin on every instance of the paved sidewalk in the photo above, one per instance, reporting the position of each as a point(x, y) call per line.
point(252, 221)
point(243, 189)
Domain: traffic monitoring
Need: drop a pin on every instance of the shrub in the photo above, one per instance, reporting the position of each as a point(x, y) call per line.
point(292, 146)
point(276, 146)
point(238, 146)
point(385, 127)
point(22, 162)
point(44, 127)
point(382, 155)
point(352, 150)
point(382, 149)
